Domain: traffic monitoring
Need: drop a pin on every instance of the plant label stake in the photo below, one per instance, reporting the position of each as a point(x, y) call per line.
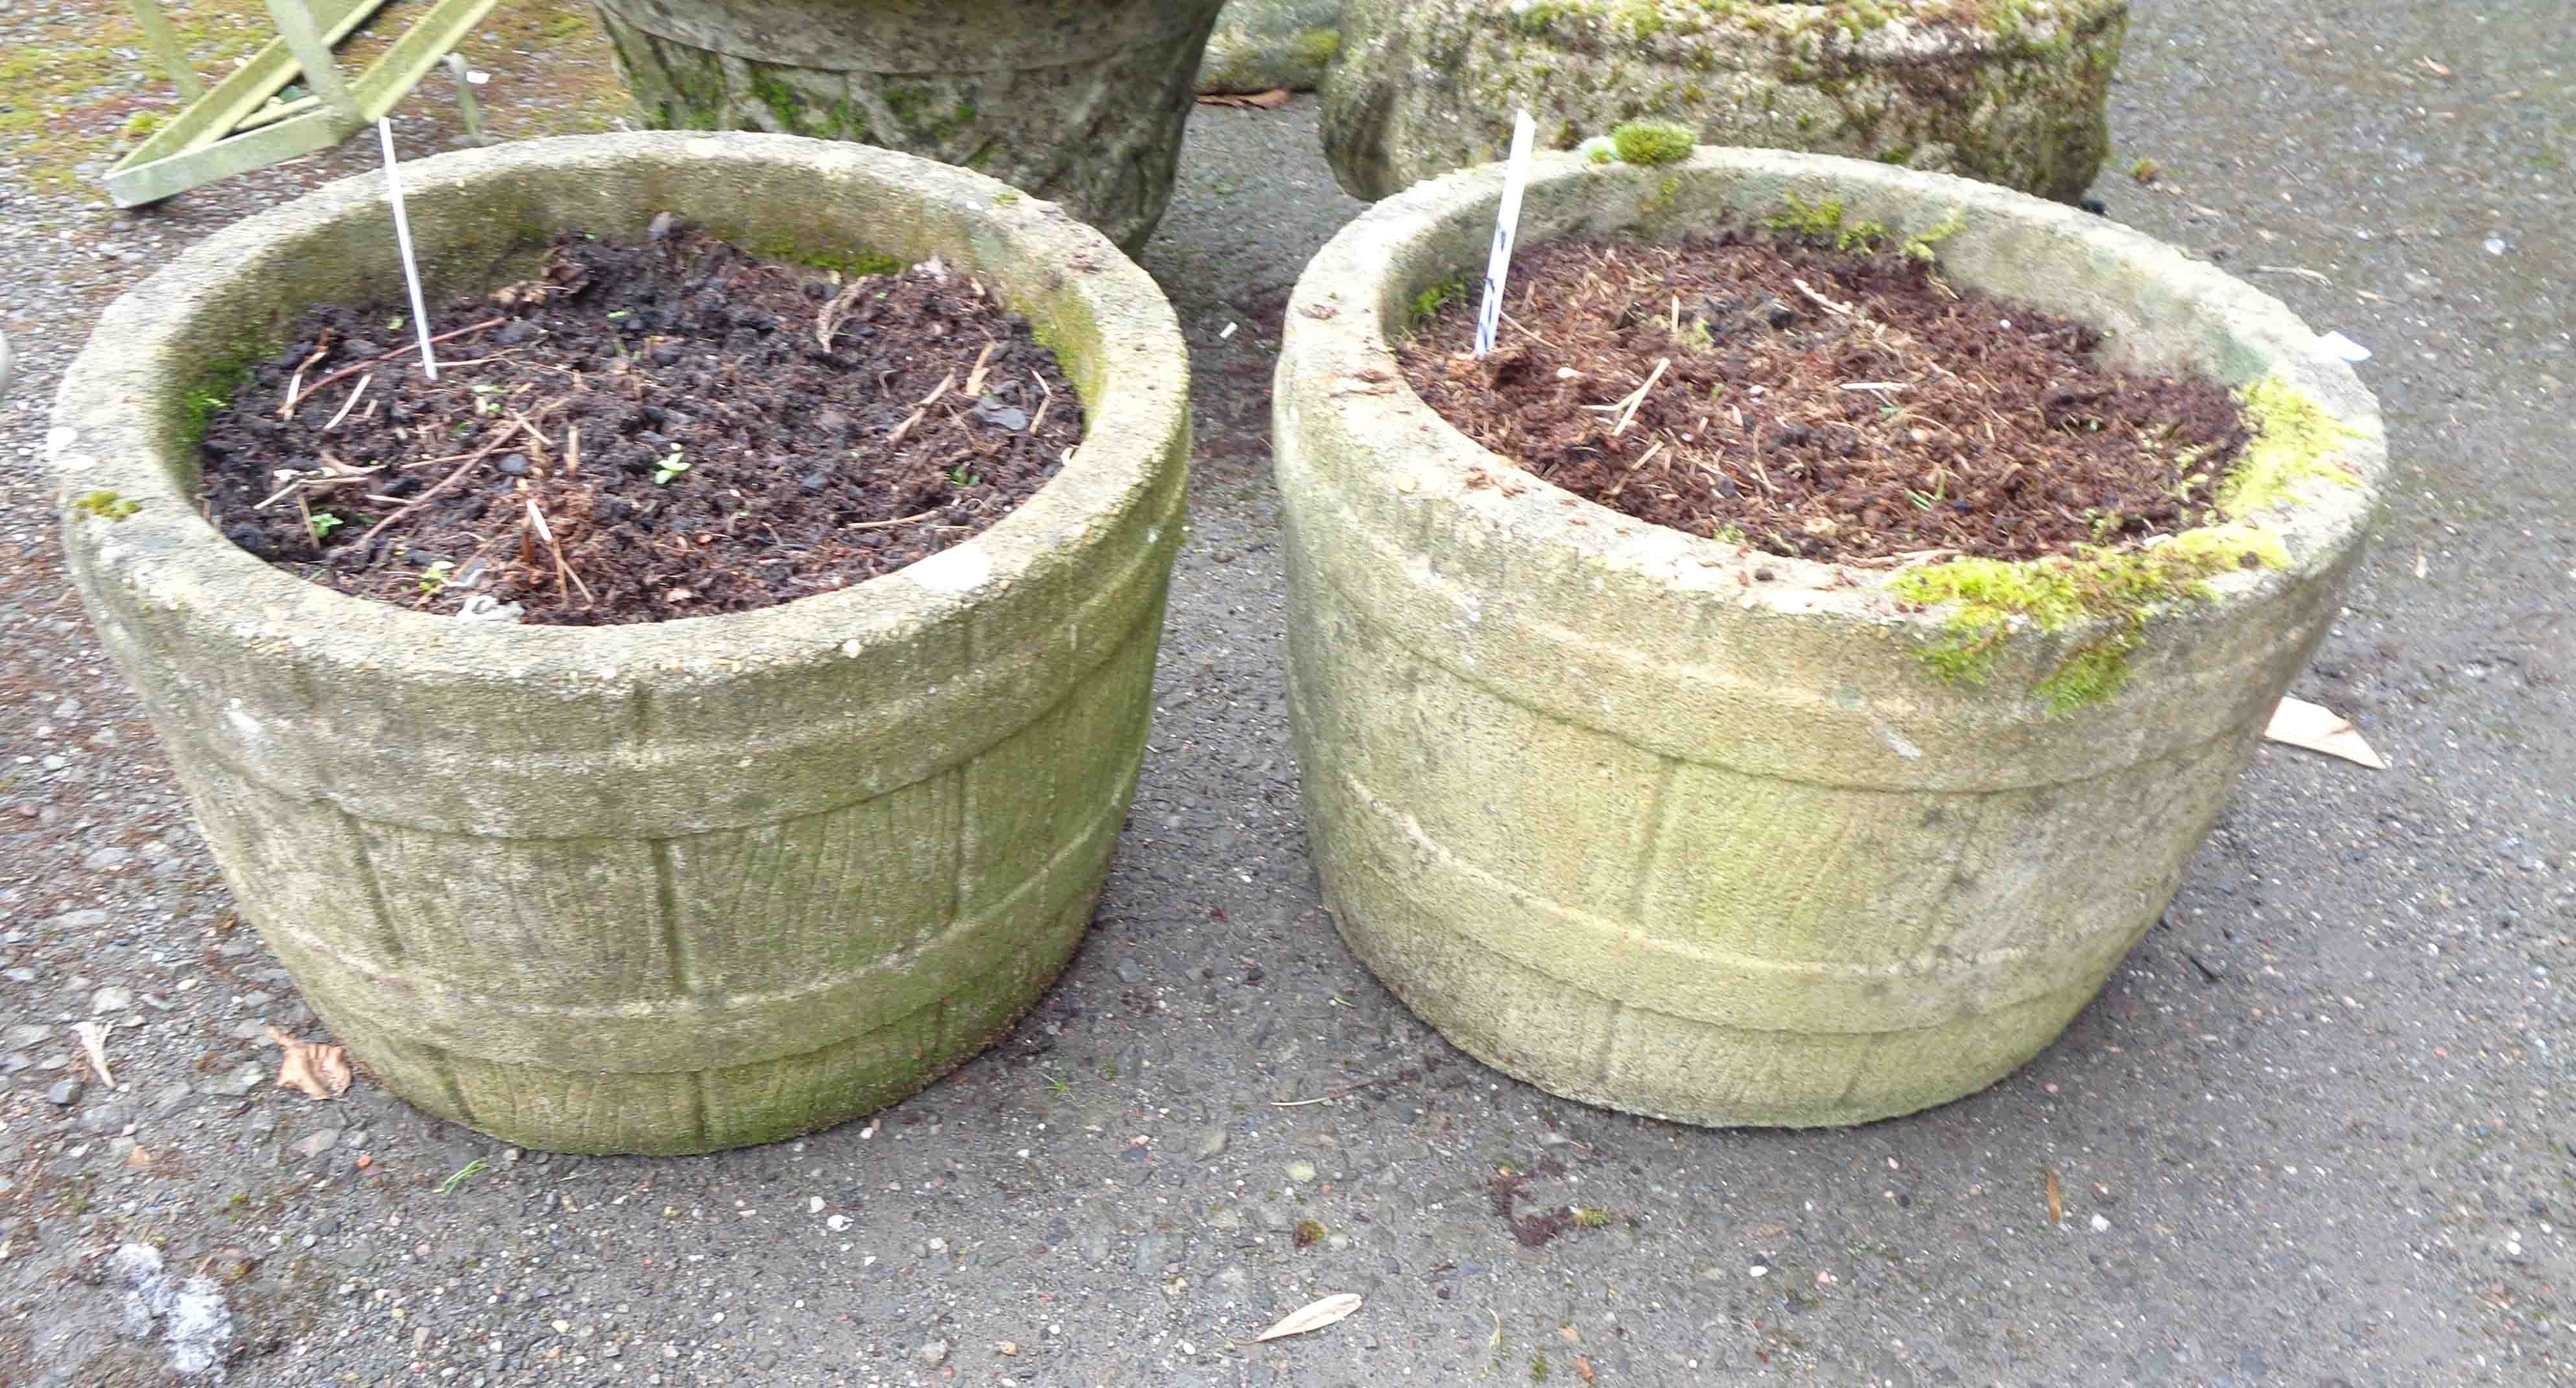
point(402, 239)
point(1489, 316)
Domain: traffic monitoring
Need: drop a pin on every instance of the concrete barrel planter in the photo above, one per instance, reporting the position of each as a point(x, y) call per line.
point(666, 887)
point(1082, 101)
point(1660, 824)
point(2009, 91)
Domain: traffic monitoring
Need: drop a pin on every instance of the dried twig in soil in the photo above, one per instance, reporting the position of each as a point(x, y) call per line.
point(1631, 475)
point(350, 403)
point(885, 524)
point(347, 371)
point(504, 435)
point(829, 320)
point(1629, 414)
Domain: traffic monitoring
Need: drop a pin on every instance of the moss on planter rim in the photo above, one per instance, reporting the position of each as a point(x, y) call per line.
point(2126, 589)
point(1652, 142)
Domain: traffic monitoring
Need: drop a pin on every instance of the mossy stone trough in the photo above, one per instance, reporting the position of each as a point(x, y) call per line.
point(1659, 823)
point(2009, 91)
point(666, 887)
point(1082, 101)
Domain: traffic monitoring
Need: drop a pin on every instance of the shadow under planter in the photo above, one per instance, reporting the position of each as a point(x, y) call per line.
point(1081, 101)
point(1660, 823)
point(665, 887)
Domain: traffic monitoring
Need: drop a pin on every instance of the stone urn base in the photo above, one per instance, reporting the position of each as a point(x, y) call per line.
point(1080, 103)
point(2007, 91)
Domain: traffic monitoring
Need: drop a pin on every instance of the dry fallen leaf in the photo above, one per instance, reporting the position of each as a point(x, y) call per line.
point(2056, 1201)
point(93, 1039)
point(322, 1072)
point(1583, 1367)
point(138, 1158)
point(1270, 100)
point(2320, 729)
point(1312, 1317)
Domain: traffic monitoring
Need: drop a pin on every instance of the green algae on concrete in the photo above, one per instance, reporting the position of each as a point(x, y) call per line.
point(2007, 91)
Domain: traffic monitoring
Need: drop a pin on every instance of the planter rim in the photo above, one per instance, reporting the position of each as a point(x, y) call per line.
point(107, 436)
point(1343, 319)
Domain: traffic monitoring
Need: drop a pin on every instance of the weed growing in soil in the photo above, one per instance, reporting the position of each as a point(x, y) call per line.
point(1427, 304)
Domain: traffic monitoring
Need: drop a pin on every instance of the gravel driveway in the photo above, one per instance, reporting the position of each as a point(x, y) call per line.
point(2320, 1129)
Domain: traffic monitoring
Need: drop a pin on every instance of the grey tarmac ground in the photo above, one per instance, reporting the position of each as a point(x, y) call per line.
point(2320, 1129)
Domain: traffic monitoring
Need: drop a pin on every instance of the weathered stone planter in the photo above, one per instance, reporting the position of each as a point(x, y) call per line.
point(1264, 44)
point(1628, 821)
point(2009, 91)
point(1082, 101)
point(668, 887)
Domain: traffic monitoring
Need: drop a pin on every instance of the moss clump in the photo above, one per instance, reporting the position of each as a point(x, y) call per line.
point(2122, 589)
point(1653, 142)
point(1919, 245)
point(2295, 442)
point(106, 506)
point(1314, 48)
point(1824, 222)
point(1309, 1232)
point(851, 264)
point(784, 106)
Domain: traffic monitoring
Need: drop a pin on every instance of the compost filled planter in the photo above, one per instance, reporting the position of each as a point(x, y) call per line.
point(673, 886)
point(1667, 824)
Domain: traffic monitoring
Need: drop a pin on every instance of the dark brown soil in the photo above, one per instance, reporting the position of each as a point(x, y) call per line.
point(644, 432)
point(1824, 404)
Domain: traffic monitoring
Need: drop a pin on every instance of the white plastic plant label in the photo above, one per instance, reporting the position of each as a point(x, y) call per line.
point(1489, 315)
